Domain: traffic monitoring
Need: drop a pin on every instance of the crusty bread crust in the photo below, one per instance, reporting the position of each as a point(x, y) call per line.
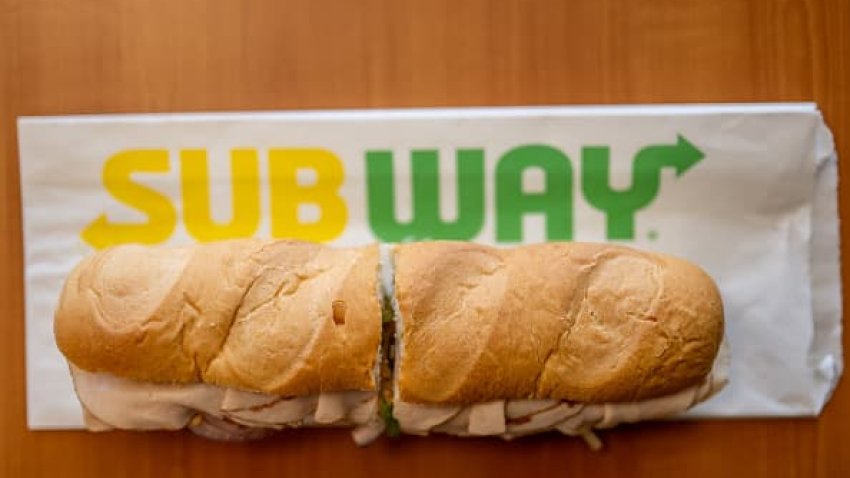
point(249, 314)
point(566, 321)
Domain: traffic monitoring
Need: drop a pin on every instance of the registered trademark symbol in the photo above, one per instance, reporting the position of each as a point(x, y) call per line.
point(652, 235)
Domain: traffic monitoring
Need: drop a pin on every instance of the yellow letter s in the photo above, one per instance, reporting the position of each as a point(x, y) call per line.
point(162, 218)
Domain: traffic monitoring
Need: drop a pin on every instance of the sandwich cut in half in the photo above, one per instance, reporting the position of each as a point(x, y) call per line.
point(560, 336)
point(237, 339)
point(232, 339)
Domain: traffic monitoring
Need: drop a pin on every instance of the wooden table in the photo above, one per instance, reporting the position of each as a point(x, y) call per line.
point(87, 56)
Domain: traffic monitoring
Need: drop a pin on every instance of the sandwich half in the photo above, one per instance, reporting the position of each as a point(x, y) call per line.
point(561, 336)
point(232, 339)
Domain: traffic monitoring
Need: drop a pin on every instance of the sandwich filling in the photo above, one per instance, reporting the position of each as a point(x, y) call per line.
point(513, 418)
point(111, 402)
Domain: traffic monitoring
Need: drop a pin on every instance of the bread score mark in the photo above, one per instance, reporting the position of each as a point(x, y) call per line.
point(339, 308)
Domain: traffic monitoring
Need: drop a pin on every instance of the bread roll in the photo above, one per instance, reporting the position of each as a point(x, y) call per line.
point(574, 322)
point(277, 317)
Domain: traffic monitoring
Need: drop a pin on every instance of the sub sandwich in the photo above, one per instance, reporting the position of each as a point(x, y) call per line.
point(237, 339)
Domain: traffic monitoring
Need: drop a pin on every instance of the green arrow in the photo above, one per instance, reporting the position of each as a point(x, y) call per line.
point(681, 156)
point(620, 206)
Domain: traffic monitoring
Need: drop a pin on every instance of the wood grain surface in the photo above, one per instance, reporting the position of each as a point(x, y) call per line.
point(88, 56)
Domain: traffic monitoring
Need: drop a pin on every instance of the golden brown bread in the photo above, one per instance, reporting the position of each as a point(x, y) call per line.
point(249, 314)
point(576, 322)
point(567, 321)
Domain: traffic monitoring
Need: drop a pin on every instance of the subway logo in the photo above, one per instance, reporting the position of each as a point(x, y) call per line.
point(287, 194)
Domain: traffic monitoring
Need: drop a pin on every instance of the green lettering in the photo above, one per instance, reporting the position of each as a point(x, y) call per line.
point(425, 222)
point(555, 202)
point(620, 206)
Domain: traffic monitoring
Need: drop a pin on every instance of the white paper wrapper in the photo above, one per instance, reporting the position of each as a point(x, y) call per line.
point(746, 191)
